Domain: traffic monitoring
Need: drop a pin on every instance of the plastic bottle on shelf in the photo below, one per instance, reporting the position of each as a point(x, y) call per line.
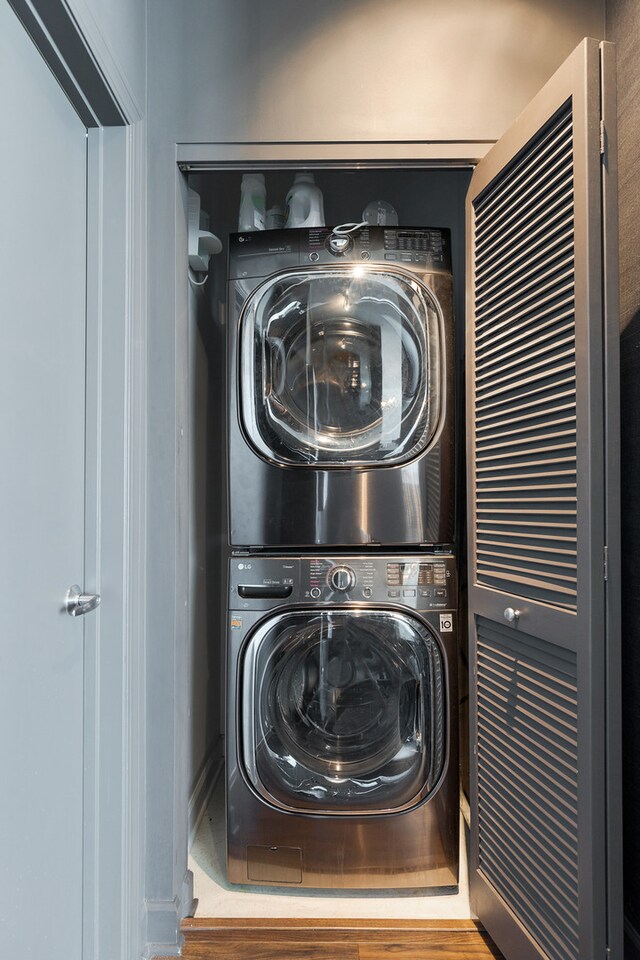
point(304, 205)
point(379, 213)
point(275, 217)
point(253, 201)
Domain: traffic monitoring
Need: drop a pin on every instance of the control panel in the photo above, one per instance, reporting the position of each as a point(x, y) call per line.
point(422, 582)
point(262, 252)
point(425, 247)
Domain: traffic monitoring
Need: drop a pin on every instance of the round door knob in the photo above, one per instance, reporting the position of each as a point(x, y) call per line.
point(342, 578)
point(511, 615)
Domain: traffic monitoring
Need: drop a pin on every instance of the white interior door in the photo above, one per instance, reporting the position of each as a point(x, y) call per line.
point(541, 411)
point(42, 452)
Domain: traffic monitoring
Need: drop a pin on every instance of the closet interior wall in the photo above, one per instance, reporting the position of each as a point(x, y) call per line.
point(422, 197)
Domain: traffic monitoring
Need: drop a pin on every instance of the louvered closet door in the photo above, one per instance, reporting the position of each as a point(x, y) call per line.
point(537, 526)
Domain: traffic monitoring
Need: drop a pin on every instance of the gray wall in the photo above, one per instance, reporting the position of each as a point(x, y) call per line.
point(356, 70)
point(623, 27)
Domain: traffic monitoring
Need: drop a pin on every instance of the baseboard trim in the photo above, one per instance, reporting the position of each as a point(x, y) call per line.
point(203, 788)
point(465, 808)
point(162, 921)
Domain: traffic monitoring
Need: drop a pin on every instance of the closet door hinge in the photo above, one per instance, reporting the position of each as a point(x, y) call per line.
point(606, 563)
point(603, 139)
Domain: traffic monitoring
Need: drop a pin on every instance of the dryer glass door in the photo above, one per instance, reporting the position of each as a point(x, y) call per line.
point(344, 711)
point(341, 366)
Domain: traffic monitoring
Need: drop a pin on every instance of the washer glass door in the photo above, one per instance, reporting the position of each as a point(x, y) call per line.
point(341, 366)
point(343, 711)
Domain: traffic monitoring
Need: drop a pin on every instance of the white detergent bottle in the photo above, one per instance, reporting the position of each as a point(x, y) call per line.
point(305, 207)
point(253, 202)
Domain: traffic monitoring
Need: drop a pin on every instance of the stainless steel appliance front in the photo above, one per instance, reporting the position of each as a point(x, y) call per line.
point(341, 731)
point(340, 389)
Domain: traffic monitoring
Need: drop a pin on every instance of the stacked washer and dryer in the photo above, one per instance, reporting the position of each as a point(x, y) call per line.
point(342, 765)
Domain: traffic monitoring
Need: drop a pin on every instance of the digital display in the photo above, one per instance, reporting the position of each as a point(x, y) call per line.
point(415, 574)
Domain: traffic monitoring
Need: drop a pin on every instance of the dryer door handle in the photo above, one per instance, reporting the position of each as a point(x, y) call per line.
point(418, 722)
point(275, 352)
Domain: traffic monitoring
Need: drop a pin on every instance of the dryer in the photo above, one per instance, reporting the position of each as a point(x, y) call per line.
point(342, 765)
point(341, 388)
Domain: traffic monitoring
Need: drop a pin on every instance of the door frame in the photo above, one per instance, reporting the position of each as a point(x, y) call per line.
point(168, 181)
point(115, 517)
point(114, 729)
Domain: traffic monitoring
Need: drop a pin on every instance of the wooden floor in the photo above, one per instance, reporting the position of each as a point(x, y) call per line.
point(257, 939)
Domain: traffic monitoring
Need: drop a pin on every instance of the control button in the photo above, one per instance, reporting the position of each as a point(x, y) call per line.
point(408, 593)
point(342, 578)
point(315, 256)
point(441, 593)
point(425, 593)
point(365, 255)
point(315, 592)
point(366, 593)
point(394, 593)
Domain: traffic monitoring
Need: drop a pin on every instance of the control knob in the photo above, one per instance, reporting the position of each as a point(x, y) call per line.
point(342, 579)
point(339, 245)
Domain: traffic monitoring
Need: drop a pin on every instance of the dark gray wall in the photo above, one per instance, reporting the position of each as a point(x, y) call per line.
point(204, 649)
point(623, 27)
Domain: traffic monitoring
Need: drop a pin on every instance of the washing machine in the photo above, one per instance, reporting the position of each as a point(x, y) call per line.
point(342, 765)
point(341, 420)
